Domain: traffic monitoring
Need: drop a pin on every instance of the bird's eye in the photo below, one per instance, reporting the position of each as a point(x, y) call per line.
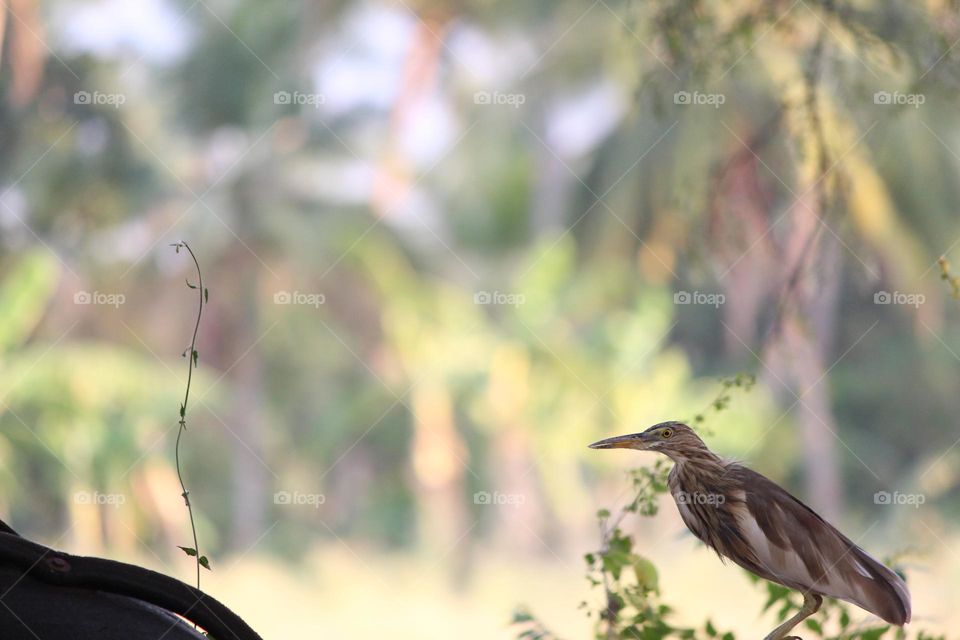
point(666, 433)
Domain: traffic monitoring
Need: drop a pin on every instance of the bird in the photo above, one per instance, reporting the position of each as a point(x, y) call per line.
point(751, 520)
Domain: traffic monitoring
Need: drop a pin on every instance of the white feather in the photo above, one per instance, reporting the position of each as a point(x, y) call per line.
point(788, 566)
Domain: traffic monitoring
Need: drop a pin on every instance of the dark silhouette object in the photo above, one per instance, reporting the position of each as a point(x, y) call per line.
point(55, 596)
point(753, 521)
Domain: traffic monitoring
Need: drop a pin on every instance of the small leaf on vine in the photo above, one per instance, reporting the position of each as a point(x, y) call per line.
point(190, 551)
point(205, 563)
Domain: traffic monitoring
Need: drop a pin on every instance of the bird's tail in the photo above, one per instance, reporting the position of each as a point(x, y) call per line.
point(884, 593)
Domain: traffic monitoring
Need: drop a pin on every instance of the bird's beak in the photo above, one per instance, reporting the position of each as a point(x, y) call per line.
point(630, 441)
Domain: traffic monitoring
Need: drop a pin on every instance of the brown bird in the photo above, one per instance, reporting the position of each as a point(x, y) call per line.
point(751, 520)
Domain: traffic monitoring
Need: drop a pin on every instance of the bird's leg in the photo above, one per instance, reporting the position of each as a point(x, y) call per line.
point(811, 604)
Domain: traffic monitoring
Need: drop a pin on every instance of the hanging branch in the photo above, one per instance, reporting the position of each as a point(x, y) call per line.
point(192, 359)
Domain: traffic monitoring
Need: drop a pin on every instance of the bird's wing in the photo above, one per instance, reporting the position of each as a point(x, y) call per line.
point(798, 548)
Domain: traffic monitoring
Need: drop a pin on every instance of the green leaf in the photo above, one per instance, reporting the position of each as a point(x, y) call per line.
point(190, 551)
point(784, 611)
point(711, 630)
point(196, 357)
point(813, 625)
point(613, 563)
point(521, 615)
point(206, 294)
point(189, 284)
point(771, 598)
point(204, 563)
point(646, 574)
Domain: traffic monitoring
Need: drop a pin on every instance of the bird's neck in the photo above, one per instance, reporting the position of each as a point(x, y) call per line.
point(699, 475)
point(704, 461)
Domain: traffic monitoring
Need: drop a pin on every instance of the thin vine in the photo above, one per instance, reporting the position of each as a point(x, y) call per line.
point(193, 357)
point(947, 276)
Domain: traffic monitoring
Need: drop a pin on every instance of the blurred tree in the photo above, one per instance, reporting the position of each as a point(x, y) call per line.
point(428, 154)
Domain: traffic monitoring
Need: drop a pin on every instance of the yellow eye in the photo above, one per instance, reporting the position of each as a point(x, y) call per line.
point(666, 433)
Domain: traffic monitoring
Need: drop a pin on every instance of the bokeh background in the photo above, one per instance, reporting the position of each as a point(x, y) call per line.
point(447, 245)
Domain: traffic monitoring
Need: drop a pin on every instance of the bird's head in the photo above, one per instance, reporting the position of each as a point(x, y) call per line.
point(674, 439)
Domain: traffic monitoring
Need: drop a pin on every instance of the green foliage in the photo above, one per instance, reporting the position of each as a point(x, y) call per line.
point(530, 627)
point(632, 606)
point(190, 551)
point(743, 381)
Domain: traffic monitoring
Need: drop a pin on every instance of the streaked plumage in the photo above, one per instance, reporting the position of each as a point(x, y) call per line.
point(751, 520)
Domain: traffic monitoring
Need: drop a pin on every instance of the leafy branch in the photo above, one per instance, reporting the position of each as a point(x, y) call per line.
point(193, 358)
point(744, 381)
